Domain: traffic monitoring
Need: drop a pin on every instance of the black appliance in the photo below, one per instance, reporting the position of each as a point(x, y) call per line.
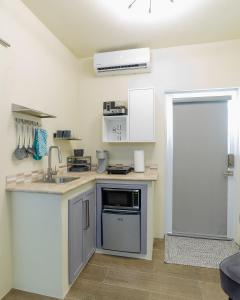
point(121, 199)
point(121, 170)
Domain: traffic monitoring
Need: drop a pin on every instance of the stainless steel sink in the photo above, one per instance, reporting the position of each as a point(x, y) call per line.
point(59, 180)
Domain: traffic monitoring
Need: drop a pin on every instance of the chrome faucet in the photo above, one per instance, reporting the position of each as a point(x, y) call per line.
point(50, 171)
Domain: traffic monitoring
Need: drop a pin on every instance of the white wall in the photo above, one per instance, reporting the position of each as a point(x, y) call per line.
point(204, 66)
point(39, 72)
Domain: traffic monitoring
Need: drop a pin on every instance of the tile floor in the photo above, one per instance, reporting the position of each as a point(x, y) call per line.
point(116, 278)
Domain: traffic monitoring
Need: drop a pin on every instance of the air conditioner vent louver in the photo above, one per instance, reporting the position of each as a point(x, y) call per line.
point(125, 67)
point(122, 62)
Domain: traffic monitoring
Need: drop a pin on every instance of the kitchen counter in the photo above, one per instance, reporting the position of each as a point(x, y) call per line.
point(41, 214)
point(151, 174)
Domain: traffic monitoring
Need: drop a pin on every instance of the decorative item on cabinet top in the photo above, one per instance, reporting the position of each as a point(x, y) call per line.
point(113, 108)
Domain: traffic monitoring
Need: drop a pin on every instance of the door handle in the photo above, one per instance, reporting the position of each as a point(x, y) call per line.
point(231, 160)
point(228, 173)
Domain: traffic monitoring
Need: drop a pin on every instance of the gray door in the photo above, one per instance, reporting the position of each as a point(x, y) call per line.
point(200, 148)
point(89, 232)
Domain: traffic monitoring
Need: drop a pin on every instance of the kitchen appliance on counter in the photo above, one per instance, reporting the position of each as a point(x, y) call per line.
point(121, 219)
point(79, 163)
point(102, 157)
point(119, 169)
point(112, 108)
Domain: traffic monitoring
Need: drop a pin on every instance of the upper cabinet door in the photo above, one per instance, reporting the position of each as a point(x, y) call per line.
point(141, 115)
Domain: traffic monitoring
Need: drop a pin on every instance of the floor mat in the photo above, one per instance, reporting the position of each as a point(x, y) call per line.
point(197, 252)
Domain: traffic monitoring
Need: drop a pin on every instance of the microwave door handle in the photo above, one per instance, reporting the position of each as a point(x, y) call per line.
point(121, 212)
point(119, 190)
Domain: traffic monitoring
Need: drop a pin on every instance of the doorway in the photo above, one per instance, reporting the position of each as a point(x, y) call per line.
point(202, 138)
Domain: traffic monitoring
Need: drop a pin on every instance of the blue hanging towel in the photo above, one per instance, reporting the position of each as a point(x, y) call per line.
point(40, 143)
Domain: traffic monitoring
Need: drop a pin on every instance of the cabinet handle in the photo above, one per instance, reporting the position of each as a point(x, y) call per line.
point(88, 215)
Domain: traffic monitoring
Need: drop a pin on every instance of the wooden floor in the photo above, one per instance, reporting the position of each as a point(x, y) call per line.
point(116, 278)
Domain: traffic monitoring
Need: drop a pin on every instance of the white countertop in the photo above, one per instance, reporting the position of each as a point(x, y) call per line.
point(151, 174)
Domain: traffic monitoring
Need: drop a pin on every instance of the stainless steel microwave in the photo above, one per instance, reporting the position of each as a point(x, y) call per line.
point(121, 199)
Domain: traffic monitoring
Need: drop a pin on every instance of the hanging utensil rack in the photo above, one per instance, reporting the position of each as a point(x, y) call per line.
point(27, 122)
point(25, 137)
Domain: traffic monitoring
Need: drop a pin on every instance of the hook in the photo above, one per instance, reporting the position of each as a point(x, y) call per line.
point(150, 6)
point(131, 4)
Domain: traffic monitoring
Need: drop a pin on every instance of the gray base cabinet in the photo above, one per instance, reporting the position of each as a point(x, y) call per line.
point(89, 231)
point(81, 232)
point(75, 237)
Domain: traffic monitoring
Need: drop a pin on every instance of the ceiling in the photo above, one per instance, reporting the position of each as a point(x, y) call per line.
point(89, 26)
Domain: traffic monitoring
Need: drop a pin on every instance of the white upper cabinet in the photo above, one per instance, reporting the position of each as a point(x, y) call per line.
point(138, 125)
point(141, 105)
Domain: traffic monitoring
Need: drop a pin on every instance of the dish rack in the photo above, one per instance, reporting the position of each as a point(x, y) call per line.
point(79, 163)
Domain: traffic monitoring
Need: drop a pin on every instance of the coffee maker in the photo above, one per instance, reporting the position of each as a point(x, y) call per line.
point(102, 157)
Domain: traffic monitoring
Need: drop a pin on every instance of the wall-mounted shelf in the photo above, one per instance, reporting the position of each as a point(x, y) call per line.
point(30, 112)
point(68, 139)
point(116, 117)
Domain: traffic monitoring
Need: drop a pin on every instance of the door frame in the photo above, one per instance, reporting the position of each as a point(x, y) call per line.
point(233, 145)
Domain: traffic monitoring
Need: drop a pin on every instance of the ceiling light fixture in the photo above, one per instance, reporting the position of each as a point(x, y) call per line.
point(161, 11)
point(150, 4)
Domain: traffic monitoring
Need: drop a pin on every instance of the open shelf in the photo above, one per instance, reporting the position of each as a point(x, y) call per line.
point(116, 117)
point(115, 129)
point(68, 139)
point(30, 112)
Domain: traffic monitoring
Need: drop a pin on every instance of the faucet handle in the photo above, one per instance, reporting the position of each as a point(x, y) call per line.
point(45, 177)
point(55, 171)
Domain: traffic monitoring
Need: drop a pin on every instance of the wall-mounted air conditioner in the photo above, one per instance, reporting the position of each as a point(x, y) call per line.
point(123, 62)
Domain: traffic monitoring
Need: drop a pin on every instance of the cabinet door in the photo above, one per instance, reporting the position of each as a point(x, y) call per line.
point(121, 231)
point(141, 115)
point(89, 230)
point(75, 237)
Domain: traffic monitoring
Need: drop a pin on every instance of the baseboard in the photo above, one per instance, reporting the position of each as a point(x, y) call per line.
point(5, 294)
